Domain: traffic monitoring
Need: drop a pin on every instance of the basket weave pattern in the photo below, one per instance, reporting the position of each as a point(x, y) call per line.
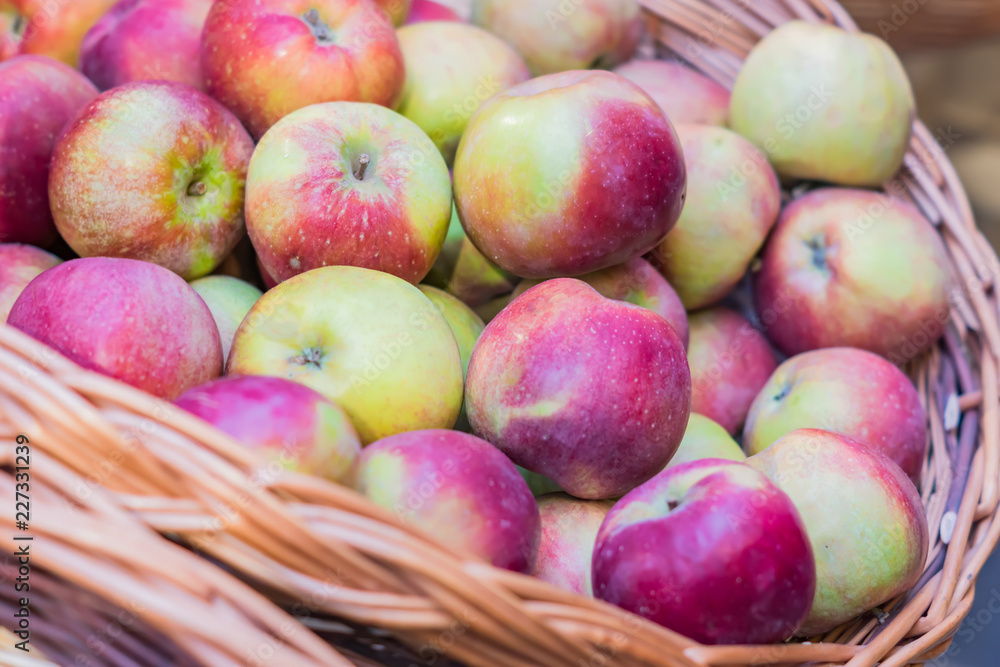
point(159, 539)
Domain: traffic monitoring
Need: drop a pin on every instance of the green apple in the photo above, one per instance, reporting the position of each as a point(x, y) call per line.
point(705, 439)
point(229, 299)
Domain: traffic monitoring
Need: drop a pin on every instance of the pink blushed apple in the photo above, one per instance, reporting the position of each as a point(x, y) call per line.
point(286, 421)
point(51, 28)
point(591, 392)
point(459, 489)
point(427, 10)
point(19, 265)
point(38, 97)
point(569, 531)
point(131, 320)
point(567, 174)
point(686, 96)
point(152, 170)
point(710, 549)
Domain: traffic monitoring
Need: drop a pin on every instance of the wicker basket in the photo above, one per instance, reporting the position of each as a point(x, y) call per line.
point(158, 540)
point(913, 24)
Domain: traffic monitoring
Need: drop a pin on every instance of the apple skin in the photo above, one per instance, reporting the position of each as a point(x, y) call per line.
point(686, 96)
point(825, 104)
point(705, 439)
point(263, 61)
point(710, 549)
point(38, 97)
point(730, 363)
point(854, 268)
point(863, 515)
point(451, 69)
point(398, 10)
point(124, 174)
point(130, 320)
point(146, 39)
point(465, 324)
point(306, 207)
point(380, 349)
point(288, 422)
point(569, 532)
point(428, 10)
point(591, 392)
point(47, 28)
point(556, 36)
point(19, 265)
point(848, 391)
point(733, 201)
point(229, 299)
point(636, 282)
point(457, 488)
point(567, 174)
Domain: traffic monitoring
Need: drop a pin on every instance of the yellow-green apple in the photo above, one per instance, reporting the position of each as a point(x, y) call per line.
point(19, 265)
point(825, 104)
point(131, 320)
point(710, 549)
point(863, 515)
point(459, 489)
point(428, 10)
point(730, 362)
point(705, 439)
point(635, 281)
point(266, 58)
point(686, 96)
point(848, 391)
point(451, 69)
point(38, 97)
point(567, 174)
point(347, 183)
point(146, 39)
point(53, 28)
point(229, 299)
point(289, 423)
point(555, 35)
point(733, 201)
point(591, 392)
point(854, 268)
point(569, 532)
point(398, 10)
point(379, 348)
point(152, 170)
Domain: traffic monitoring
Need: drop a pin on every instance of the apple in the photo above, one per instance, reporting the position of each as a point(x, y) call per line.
point(38, 97)
point(569, 531)
point(540, 485)
point(267, 58)
point(637, 282)
point(53, 28)
point(686, 96)
point(428, 10)
point(567, 174)
point(152, 170)
point(733, 201)
point(854, 268)
point(130, 320)
point(825, 104)
point(730, 363)
point(288, 422)
point(19, 265)
point(863, 515)
point(705, 439)
point(555, 35)
point(457, 488)
point(710, 549)
point(379, 348)
point(848, 391)
point(146, 39)
point(346, 183)
point(229, 299)
point(591, 392)
point(451, 69)
point(465, 324)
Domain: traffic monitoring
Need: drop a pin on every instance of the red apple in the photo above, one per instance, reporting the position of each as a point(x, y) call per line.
point(146, 39)
point(266, 58)
point(591, 392)
point(38, 97)
point(131, 320)
point(427, 10)
point(152, 170)
point(569, 531)
point(51, 28)
point(686, 96)
point(710, 549)
point(19, 265)
point(567, 174)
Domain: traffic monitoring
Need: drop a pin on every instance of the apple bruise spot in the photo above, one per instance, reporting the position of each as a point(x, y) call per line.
point(320, 30)
point(310, 357)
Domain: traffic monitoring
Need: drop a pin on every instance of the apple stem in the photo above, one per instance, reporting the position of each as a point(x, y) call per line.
point(363, 161)
point(197, 189)
point(320, 30)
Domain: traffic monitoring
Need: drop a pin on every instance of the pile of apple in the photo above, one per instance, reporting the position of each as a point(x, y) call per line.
point(652, 291)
